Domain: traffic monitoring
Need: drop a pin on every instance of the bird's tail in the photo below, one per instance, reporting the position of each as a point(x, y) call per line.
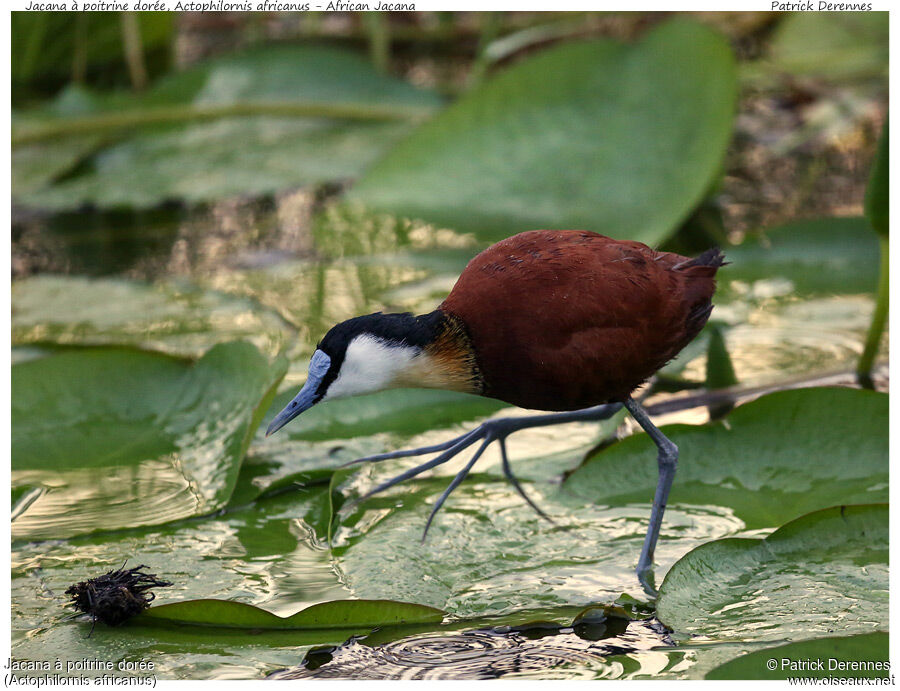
point(699, 285)
point(706, 264)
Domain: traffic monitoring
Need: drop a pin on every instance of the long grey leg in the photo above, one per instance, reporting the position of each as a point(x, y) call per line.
point(667, 461)
point(489, 431)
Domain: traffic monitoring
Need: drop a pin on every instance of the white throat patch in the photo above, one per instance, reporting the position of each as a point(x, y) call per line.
point(370, 364)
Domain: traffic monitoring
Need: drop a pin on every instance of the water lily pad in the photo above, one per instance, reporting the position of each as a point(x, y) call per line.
point(35, 166)
point(824, 573)
point(772, 459)
point(619, 139)
point(818, 256)
point(250, 155)
point(488, 554)
point(120, 438)
point(343, 614)
point(403, 412)
point(863, 656)
point(285, 72)
point(180, 319)
point(329, 435)
point(832, 45)
point(230, 157)
point(264, 554)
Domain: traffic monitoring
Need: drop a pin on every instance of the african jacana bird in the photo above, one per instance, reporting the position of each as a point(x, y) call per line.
point(557, 320)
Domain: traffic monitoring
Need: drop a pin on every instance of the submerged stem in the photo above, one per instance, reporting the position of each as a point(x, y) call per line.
point(879, 317)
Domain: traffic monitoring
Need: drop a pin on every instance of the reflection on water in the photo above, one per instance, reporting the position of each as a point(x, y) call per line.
point(172, 317)
point(629, 649)
point(92, 243)
point(776, 338)
point(82, 500)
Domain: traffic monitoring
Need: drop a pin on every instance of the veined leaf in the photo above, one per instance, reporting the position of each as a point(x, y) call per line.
point(619, 139)
point(826, 570)
point(120, 438)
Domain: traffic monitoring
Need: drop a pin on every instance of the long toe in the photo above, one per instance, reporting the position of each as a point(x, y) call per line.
point(406, 453)
point(460, 476)
point(462, 443)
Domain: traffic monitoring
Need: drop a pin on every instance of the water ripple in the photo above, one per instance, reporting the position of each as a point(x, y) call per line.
point(638, 648)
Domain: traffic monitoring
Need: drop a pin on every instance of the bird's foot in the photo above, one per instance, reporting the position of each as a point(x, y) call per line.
point(491, 430)
point(647, 580)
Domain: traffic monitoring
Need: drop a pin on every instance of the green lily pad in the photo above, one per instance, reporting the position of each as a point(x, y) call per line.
point(263, 553)
point(174, 318)
point(122, 438)
point(399, 411)
point(36, 166)
point(488, 554)
point(823, 573)
point(620, 139)
point(329, 435)
point(818, 256)
point(250, 155)
point(342, 614)
point(773, 459)
point(831, 45)
point(863, 656)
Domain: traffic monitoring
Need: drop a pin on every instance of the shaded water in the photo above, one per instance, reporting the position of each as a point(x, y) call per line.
point(264, 272)
point(623, 650)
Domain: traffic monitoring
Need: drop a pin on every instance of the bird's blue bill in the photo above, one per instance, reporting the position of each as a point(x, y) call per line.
point(309, 395)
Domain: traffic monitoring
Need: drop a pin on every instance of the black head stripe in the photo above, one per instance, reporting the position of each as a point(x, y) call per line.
point(402, 329)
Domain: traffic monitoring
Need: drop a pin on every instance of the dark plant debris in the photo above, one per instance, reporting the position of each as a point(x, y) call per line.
point(116, 596)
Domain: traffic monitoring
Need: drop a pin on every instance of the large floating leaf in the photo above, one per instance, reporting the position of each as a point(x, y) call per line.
point(488, 554)
point(341, 614)
point(178, 319)
point(249, 155)
point(260, 554)
point(823, 573)
point(833, 45)
point(827, 255)
point(619, 139)
point(329, 435)
point(851, 655)
point(36, 166)
point(772, 460)
point(399, 411)
point(120, 438)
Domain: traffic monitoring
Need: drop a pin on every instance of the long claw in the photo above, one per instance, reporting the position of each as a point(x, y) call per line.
point(507, 470)
point(411, 452)
point(460, 476)
point(466, 441)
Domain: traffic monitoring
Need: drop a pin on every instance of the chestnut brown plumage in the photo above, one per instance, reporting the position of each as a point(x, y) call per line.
point(556, 320)
point(562, 320)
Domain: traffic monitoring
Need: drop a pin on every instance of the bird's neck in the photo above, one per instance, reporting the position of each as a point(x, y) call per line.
point(447, 360)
